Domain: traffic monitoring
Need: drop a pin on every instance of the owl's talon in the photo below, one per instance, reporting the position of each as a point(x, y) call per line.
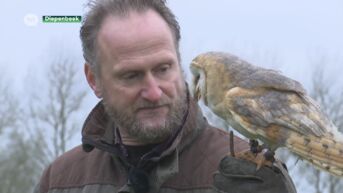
point(266, 160)
point(255, 148)
point(269, 155)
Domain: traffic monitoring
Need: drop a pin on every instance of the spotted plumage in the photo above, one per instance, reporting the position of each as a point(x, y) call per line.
point(263, 104)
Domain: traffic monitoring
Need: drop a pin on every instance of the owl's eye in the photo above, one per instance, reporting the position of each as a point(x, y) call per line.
point(196, 79)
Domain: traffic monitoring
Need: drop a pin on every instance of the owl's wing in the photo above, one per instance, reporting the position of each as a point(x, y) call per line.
point(264, 78)
point(246, 75)
point(263, 109)
point(281, 118)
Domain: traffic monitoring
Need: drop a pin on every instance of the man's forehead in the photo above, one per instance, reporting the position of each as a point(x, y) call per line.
point(134, 23)
point(136, 33)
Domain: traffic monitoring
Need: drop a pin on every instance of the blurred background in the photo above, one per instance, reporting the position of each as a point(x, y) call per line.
point(44, 97)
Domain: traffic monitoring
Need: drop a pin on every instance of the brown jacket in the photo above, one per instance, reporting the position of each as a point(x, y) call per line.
point(187, 165)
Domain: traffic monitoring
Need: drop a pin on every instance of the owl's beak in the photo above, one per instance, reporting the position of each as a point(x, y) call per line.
point(196, 91)
point(197, 94)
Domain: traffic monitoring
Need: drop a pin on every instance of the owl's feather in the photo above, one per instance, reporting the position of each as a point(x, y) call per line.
point(264, 104)
point(245, 75)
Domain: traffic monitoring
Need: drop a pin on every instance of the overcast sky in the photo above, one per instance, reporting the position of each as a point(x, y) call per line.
point(280, 34)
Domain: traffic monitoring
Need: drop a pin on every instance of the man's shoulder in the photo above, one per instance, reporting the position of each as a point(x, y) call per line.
point(215, 142)
point(69, 158)
point(77, 168)
point(77, 160)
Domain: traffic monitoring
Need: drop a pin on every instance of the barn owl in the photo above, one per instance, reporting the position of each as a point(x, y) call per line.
point(263, 104)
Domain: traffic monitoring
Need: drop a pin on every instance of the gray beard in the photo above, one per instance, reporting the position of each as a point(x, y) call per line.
point(144, 134)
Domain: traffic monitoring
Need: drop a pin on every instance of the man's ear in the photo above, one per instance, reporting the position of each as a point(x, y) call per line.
point(92, 81)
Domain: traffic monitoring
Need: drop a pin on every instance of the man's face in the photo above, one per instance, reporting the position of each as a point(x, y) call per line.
point(140, 76)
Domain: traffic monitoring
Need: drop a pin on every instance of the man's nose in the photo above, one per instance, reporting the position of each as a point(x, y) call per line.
point(151, 90)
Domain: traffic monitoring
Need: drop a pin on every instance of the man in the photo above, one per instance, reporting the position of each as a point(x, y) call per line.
point(147, 134)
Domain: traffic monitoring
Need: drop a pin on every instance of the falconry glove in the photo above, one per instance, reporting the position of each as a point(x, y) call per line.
point(240, 176)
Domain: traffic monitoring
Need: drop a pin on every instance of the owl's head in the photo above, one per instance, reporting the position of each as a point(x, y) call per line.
point(205, 68)
point(198, 83)
point(199, 67)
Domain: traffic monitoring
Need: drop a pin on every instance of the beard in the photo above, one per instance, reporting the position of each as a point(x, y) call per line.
point(143, 132)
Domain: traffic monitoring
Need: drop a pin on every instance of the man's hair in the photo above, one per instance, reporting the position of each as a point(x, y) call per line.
point(101, 9)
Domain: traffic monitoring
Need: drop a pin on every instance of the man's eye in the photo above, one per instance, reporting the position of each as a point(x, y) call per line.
point(130, 76)
point(163, 69)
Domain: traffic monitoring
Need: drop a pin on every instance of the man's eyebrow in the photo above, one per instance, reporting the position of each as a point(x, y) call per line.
point(123, 71)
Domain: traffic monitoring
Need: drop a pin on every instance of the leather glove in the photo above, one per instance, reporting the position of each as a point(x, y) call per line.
point(240, 176)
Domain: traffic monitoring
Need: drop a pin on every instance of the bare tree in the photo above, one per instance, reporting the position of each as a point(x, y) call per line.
point(33, 134)
point(15, 150)
point(9, 108)
point(18, 167)
point(53, 114)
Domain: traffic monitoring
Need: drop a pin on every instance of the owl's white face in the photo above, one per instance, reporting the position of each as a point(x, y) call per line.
point(199, 85)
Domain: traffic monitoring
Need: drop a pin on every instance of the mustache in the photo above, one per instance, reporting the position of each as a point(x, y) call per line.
point(147, 104)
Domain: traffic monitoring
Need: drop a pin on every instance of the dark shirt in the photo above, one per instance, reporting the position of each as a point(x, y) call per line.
point(136, 152)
